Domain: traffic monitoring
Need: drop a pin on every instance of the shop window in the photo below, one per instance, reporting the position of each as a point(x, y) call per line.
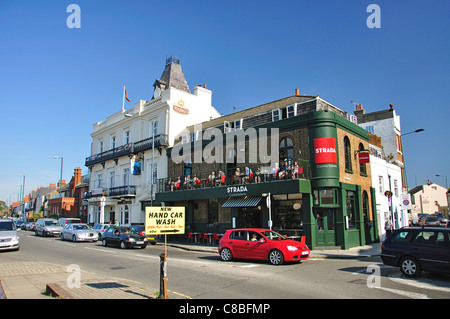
point(325, 196)
point(288, 218)
point(351, 209)
point(348, 157)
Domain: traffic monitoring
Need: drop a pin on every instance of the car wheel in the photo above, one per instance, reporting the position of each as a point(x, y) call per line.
point(276, 257)
point(61, 236)
point(410, 267)
point(104, 243)
point(226, 254)
point(122, 245)
point(74, 238)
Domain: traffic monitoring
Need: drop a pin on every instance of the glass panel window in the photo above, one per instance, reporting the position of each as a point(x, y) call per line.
point(351, 210)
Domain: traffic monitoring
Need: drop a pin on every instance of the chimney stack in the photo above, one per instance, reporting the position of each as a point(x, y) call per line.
point(297, 92)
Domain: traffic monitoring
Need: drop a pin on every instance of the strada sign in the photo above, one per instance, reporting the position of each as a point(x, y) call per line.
point(164, 220)
point(325, 150)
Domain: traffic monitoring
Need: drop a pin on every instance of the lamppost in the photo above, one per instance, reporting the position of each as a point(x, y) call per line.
point(269, 205)
point(446, 185)
point(23, 196)
point(404, 161)
point(60, 185)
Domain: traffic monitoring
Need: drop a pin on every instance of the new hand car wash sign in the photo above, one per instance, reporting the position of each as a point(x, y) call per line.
point(325, 150)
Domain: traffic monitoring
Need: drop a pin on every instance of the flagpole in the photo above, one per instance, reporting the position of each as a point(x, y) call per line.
point(123, 100)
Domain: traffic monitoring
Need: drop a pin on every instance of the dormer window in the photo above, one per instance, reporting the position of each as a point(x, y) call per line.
point(283, 112)
point(232, 126)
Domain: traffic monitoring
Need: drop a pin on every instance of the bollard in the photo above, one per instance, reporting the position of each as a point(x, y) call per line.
point(162, 276)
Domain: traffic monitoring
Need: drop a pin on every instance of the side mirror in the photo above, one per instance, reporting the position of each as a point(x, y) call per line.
point(262, 240)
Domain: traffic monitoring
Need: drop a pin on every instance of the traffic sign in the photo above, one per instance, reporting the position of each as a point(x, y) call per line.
point(164, 220)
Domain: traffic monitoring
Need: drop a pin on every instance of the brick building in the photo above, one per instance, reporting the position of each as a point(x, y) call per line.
point(313, 186)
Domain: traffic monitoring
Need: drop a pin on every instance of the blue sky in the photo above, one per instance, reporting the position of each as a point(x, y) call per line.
point(55, 82)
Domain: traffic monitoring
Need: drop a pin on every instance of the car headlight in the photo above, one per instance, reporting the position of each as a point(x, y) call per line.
point(131, 239)
point(145, 239)
point(292, 248)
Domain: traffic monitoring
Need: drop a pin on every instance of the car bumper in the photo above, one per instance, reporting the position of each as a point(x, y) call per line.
point(137, 244)
point(52, 233)
point(389, 259)
point(94, 238)
point(296, 255)
point(10, 245)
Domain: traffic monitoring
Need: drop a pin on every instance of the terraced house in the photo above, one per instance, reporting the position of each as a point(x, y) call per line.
point(291, 165)
point(128, 151)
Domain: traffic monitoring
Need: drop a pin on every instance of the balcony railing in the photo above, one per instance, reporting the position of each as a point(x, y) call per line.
point(122, 191)
point(245, 175)
point(130, 148)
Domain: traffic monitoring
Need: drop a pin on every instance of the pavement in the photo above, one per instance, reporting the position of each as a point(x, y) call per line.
point(41, 280)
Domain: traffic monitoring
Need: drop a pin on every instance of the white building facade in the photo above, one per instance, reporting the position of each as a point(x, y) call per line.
point(128, 151)
point(388, 177)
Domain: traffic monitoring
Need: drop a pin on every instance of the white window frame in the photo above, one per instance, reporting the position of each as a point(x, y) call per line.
point(126, 176)
point(126, 137)
point(113, 142)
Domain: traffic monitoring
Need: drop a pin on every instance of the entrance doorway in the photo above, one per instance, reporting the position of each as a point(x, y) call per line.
point(249, 217)
point(325, 219)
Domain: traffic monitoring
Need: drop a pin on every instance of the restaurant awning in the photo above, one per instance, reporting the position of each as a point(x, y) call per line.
point(242, 201)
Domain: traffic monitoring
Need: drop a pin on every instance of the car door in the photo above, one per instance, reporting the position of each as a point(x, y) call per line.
point(433, 250)
point(237, 241)
point(115, 236)
point(256, 245)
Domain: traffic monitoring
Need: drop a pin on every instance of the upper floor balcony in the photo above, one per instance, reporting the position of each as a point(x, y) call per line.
point(235, 177)
point(161, 140)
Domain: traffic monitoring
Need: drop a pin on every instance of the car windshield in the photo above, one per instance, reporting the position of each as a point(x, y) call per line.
point(51, 223)
point(6, 226)
point(80, 227)
point(272, 235)
point(127, 230)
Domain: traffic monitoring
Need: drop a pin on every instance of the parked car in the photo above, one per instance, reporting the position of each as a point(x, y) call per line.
point(432, 221)
point(263, 244)
point(443, 220)
point(19, 224)
point(152, 239)
point(100, 229)
point(422, 219)
point(9, 239)
point(30, 226)
point(415, 249)
point(63, 221)
point(47, 227)
point(78, 232)
point(124, 237)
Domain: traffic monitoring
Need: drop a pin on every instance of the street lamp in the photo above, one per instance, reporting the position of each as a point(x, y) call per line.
point(446, 185)
point(23, 195)
point(269, 205)
point(60, 185)
point(404, 161)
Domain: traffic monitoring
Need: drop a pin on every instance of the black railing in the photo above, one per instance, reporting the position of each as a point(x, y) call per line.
point(122, 191)
point(130, 148)
point(245, 175)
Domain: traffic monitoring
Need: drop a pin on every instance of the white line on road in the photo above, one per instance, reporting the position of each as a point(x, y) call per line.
point(102, 250)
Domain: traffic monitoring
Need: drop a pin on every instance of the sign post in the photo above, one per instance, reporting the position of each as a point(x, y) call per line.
point(164, 221)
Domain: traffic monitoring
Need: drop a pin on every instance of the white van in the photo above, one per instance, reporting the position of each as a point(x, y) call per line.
point(64, 221)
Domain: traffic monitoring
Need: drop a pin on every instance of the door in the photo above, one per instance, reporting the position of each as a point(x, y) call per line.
point(325, 219)
point(431, 248)
point(256, 246)
point(238, 243)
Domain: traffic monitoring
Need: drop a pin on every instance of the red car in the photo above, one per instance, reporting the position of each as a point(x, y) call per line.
point(262, 244)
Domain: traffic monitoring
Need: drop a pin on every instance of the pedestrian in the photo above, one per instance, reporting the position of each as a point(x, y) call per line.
point(116, 223)
point(388, 227)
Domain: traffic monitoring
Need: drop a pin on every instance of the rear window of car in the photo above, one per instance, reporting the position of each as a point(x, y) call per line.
point(238, 235)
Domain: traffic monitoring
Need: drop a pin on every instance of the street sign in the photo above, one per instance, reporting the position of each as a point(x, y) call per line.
point(164, 220)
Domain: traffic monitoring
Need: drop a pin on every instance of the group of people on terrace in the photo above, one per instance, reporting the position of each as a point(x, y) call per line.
point(236, 176)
